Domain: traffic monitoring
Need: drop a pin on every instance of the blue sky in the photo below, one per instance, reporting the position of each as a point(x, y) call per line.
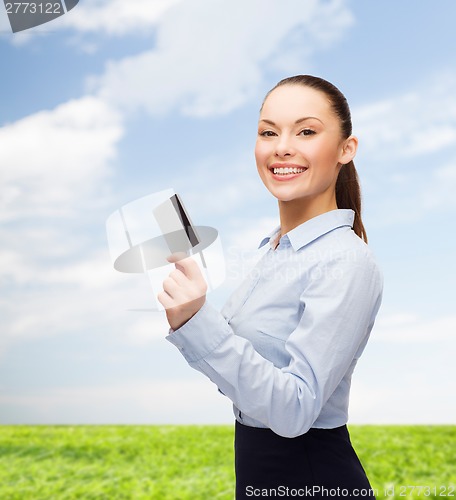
point(116, 100)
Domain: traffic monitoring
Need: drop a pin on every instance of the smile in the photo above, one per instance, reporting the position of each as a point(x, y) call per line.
point(288, 170)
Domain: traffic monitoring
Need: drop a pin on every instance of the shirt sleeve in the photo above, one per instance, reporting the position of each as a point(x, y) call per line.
point(339, 308)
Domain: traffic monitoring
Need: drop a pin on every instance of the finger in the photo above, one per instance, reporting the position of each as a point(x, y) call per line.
point(170, 302)
point(181, 294)
point(170, 298)
point(165, 300)
point(190, 268)
point(171, 287)
point(178, 276)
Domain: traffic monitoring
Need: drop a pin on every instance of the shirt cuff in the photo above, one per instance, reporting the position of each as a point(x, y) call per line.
point(201, 334)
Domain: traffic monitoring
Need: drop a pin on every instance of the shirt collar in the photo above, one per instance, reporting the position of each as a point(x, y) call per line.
point(312, 229)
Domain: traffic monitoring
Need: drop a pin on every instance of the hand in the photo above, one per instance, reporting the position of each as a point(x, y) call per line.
point(184, 291)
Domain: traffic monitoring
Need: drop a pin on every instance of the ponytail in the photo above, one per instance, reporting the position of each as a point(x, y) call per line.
point(348, 195)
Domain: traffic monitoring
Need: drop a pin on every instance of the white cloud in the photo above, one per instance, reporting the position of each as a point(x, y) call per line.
point(418, 122)
point(55, 165)
point(116, 17)
point(223, 193)
point(406, 375)
point(421, 400)
point(410, 328)
point(5, 27)
point(209, 54)
point(138, 402)
point(54, 168)
point(112, 18)
point(52, 159)
point(441, 189)
point(408, 197)
point(148, 329)
point(405, 143)
point(67, 293)
point(249, 233)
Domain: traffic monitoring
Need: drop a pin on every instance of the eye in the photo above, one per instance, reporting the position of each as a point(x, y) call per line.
point(307, 131)
point(268, 133)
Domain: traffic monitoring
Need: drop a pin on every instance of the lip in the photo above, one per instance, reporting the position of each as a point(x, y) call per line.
point(288, 177)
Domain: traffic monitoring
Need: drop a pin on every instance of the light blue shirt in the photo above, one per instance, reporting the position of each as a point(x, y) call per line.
point(284, 346)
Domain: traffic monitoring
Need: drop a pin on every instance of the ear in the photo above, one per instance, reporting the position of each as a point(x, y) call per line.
point(349, 148)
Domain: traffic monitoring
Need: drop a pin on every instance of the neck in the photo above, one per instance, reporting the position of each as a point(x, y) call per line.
point(295, 212)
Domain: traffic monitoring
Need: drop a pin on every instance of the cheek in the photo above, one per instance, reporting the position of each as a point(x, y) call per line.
point(261, 157)
point(324, 155)
point(261, 152)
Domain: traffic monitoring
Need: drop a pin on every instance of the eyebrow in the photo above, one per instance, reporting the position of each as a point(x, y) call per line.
point(297, 122)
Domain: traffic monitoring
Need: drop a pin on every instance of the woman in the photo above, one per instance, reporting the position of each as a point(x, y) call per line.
point(285, 345)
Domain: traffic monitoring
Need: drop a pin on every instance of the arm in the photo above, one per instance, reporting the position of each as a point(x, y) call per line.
point(338, 312)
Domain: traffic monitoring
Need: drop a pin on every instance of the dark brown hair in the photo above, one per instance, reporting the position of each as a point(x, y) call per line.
point(348, 191)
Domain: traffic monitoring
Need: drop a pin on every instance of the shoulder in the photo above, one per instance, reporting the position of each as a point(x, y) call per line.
point(347, 255)
point(344, 242)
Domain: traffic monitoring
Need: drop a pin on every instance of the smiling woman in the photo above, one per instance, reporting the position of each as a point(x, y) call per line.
point(286, 343)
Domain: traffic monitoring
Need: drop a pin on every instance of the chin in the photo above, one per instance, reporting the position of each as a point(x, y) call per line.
point(287, 195)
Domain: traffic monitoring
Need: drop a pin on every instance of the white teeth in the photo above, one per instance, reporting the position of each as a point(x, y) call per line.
point(288, 170)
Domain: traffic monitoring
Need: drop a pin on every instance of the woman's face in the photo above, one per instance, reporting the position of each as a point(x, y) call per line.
point(299, 148)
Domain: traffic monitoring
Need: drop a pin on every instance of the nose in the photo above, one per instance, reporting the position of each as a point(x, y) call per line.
point(284, 146)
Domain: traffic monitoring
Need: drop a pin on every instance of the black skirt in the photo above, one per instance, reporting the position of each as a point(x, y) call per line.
point(319, 464)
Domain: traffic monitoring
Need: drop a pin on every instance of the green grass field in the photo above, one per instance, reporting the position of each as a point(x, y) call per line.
point(196, 462)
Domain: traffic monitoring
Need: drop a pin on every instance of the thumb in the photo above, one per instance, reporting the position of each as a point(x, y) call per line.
point(176, 256)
